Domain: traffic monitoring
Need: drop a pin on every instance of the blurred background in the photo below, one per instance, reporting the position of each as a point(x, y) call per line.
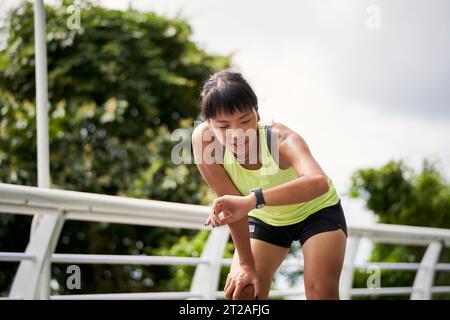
point(366, 83)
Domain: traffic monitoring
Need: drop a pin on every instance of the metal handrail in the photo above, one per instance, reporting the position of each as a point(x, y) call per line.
point(173, 260)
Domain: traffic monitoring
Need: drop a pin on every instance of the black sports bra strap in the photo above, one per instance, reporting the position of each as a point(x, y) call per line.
point(268, 131)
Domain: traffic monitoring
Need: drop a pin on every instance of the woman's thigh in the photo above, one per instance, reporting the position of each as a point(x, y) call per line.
point(268, 257)
point(323, 256)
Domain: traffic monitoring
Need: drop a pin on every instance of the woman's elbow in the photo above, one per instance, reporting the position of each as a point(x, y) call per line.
point(322, 185)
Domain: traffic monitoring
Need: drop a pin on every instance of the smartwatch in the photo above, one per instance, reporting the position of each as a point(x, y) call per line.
point(260, 202)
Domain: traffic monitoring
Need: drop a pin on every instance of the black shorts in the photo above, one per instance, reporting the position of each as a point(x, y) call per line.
point(327, 219)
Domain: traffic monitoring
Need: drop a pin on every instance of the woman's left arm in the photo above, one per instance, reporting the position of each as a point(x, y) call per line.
point(311, 183)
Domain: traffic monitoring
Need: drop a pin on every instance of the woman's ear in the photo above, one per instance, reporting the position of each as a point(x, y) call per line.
point(255, 110)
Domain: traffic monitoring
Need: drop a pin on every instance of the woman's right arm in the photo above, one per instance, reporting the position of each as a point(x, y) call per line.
point(217, 178)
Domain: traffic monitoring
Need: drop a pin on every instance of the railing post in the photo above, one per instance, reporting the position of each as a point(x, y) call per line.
point(423, 281)
point(346, 280)
point(33, 277)
point(207, 276)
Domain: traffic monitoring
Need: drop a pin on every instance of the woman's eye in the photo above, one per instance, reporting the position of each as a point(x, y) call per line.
point(246, 121)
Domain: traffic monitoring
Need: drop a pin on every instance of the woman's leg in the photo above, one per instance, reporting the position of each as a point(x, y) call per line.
point(323, 257)
point(268, 258)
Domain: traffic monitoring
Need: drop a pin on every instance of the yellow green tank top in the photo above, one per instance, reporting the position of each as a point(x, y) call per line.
point(268, 176)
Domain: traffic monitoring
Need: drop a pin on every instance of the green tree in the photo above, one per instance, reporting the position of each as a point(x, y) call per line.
point(397, 195)
point(118, 87)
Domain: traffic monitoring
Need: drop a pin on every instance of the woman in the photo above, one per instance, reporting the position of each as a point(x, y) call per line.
point(269, 194)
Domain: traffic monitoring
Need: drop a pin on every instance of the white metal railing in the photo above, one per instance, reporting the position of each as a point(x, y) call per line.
point(74, 205)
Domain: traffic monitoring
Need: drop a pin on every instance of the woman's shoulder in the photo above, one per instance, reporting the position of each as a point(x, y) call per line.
point(283, 131)
point(202, 138)
point(203, 134)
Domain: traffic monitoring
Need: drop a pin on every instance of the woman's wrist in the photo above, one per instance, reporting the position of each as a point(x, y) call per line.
point(248, 265)
point(251, 201)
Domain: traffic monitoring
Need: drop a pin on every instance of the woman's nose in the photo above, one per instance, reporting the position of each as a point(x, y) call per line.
point(237, 135)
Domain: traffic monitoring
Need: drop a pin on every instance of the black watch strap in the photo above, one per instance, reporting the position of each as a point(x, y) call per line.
point(260, 202)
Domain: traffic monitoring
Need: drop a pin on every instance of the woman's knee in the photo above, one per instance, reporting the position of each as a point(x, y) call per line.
point(322, 290)
point(265, 284)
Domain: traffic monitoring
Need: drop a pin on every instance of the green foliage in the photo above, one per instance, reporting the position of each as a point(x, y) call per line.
point(117, 87)
point(191, 247)
point(397, 195)
point(144, 61)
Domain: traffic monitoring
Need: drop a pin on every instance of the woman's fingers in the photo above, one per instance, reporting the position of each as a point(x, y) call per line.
point(230, 290)
point(226, 220)
point(213, 219)
point(217, 212)
point(256, 286)
point(210, 219)
point(227, 283)
point(217, 205)
point(238, 290)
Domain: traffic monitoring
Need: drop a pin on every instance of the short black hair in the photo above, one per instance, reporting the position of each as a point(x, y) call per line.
point(226, 92)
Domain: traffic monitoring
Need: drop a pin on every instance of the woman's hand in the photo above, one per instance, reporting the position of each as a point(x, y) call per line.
point(239, 279)
point(228, 209)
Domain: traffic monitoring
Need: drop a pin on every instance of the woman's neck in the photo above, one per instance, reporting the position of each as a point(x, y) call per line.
point(249, 162)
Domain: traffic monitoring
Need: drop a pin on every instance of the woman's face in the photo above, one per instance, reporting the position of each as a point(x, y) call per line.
point(237, 131)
